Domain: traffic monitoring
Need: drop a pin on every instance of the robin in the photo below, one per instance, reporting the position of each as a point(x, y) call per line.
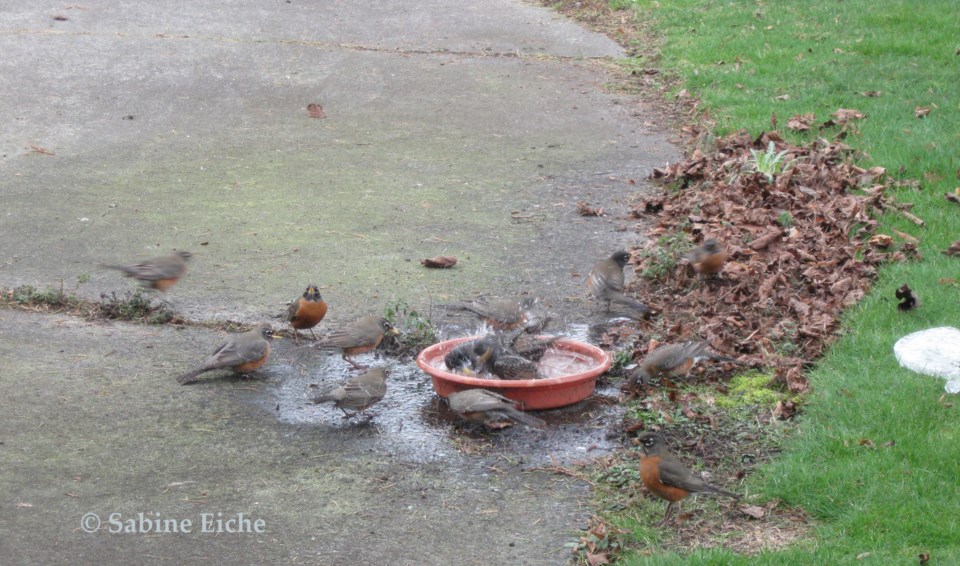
point(508, 365)
point(674, 360)
point(667, 478)
point(502, 314)
point(707, 259)
point(357, 393)
point(359, 337)
point(606, 283)
point(244, 353)
point(472, 357)
point(529, 346)
point(307, 312)
point(487, 407)
point(159, 273)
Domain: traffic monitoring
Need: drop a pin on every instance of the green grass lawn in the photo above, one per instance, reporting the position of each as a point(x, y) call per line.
point(897, 496)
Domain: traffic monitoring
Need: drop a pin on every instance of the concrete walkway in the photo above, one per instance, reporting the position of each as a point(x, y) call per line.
point(131, 129)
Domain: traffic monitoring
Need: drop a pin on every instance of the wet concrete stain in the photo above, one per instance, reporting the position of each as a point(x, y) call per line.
point(413, 424)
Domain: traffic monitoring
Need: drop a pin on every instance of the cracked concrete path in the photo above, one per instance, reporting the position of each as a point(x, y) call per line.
point(128, 129)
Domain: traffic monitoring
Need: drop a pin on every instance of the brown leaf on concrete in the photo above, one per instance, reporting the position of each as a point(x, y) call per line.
point(585, 209)
point(314, 110)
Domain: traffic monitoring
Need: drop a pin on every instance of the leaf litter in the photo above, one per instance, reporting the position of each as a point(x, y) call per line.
point(802, 248)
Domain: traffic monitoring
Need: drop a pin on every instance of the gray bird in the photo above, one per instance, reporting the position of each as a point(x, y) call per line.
point(242, 353)
point(486, 407)
point(357, 393)
point(606, 283)
point(159, 273)
point(674, 360)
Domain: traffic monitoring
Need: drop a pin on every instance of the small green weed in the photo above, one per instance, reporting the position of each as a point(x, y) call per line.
point(51, 298)
point(416, 332)
point(769, 163)
point(661, 260)
point(134, 305)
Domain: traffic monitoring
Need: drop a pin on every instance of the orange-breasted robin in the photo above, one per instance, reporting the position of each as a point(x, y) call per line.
point(359, 337)
point(159, 273)
point(501, 314)
point(357, 393)
point(606, 283)
point(486, 407)
point(244, 353)
point(473, 357)
point(707, 259)
point(674, 360)
point(667, 478)
point(307, 312)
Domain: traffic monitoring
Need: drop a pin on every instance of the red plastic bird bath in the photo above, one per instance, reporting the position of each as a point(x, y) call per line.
point(548, 393)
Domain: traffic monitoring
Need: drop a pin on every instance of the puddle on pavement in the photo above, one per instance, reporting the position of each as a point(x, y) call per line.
point(412, 423)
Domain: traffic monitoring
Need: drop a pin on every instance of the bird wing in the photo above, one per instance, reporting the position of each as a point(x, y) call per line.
point(674, 474)
point(292, 310)
point(240, 350)
point(158, 268)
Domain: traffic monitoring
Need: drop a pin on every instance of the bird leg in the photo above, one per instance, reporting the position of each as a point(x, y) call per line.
point(312, 334)
point(296, 336)
point(353, 363)
point(672, 506)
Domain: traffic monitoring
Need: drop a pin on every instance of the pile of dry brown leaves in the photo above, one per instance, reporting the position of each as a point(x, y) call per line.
point(801, 242)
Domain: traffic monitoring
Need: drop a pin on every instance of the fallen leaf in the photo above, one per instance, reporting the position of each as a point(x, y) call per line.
point(863, 555)
point(784, 410)
point(866, 442)
point(801, 122)
point(953, 197)
point(753, 511)
point(908, 300)
point(314, 110)
point(921, 111)
point(870, 93)
point(923, 557)
point(846, 114)
point(881, 240)
point(954, 249)
point(597, 559)
point(439, 262)
point(782, 97)
point(906, 237)
point(22, 505)
point(585, 209)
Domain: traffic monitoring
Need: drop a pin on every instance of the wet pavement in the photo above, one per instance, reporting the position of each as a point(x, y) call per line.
point(129, 130)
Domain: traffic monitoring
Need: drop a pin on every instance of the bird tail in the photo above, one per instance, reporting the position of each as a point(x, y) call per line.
point(720, 358)
point(523, 418)
point(717, 491)
point(621, 299)
point(323, 398)
point(190, 376)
